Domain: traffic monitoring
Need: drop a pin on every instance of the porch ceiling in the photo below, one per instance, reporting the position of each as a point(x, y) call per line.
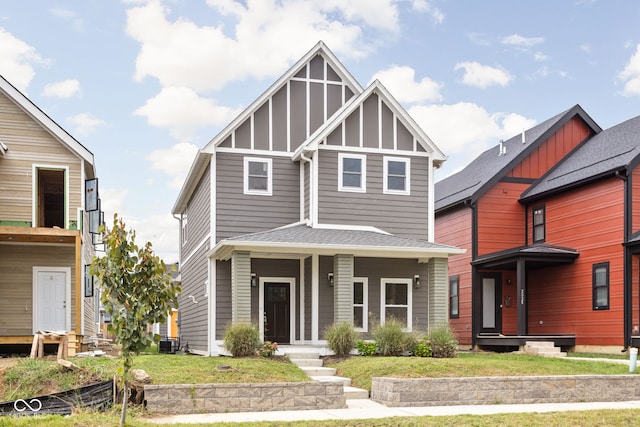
point(299, 240)
point(535, 256)
point(17, 234)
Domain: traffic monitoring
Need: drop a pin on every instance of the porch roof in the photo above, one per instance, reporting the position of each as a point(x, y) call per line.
point(540, 255)
point(299, 239)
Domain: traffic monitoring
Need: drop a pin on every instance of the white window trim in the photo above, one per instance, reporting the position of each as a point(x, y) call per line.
point(363, 176)
point(407, 162)
point(365, 303)
point(383, 306)
point(269, 176)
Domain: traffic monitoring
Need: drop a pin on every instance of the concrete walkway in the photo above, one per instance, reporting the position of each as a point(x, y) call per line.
point(360, 409)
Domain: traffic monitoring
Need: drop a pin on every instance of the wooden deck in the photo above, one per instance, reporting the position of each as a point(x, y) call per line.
point(506, 341)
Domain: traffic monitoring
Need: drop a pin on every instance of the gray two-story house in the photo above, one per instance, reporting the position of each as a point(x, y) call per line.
point(314, 206)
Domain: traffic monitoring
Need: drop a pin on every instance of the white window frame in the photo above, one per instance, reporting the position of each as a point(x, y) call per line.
point(363, 172)
point(383, 305)
point(365, 303)
point(184, 227)
point(247, 190)
point(407, 176)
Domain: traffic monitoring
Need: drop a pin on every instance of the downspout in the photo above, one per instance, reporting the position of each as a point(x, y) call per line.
point(475, 280)
point(627, 261)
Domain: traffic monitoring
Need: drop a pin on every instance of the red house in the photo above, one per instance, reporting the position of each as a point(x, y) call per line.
point(551, 222)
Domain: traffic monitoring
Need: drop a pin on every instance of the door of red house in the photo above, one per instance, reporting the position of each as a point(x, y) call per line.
point(277, 312)
point(491, 304)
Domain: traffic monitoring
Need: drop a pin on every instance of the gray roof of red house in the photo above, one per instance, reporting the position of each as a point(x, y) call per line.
point(486, 169)
point(612, 150)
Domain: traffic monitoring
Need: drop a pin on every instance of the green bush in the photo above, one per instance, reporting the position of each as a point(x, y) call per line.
point(242, 339)
point(392, 340)
point(268, 349)
point(341, 338)
point(444, 343)
point(422, 349)
point(366, 348)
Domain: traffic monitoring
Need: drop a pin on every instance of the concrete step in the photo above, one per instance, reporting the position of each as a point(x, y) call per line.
point(331, 379)
point(318, 371)
point(543, 348)
point(355, 393)
point(307, 362)
point(302, 355)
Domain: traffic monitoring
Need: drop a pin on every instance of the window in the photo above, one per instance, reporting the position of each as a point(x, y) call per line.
point(538, 224)
point(50, 197)
point(601, 286)
point(257, 176)
point(454, 300)
point(352, 172)
point(396, 300)
point(397, 175)
point(360, 306)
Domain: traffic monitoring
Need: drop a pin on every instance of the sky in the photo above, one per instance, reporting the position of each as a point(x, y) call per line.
point(144, 84)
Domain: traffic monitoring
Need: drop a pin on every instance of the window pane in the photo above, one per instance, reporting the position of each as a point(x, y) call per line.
point(258, 168)
point(454, 305)
point(398, 313)
point(396, 294)
point(538, 216)
point(358, 316)
point(257, 183)
point(351, 165)
point(395, 183)
point(358, 294)
point(602, 297)
point(396, 168)
point(351, 180)
point(601, 276)
point(538, 233)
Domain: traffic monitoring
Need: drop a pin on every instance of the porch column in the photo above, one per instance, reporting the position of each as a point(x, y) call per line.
point(521, 296)
point(240, 287)
point(438, 292)
point(342, 288)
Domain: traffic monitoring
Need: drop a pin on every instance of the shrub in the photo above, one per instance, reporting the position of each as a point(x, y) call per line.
point(444, 343)
point(268, 349)
point(367, 348)
point(391, 338)
point(422, 349)
point(341, 338)
point(242, 339)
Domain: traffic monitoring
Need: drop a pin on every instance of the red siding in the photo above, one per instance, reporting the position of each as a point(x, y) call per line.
point(589, 219)
point(454, 228)
point(552, 150)
point(501, 218)
point(635, 200)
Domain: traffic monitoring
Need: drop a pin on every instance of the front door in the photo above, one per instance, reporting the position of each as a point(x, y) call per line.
point(277, 301)
point(491, 304)
point(51, 299)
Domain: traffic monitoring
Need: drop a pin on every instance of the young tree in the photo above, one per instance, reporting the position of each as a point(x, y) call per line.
point(137, 291)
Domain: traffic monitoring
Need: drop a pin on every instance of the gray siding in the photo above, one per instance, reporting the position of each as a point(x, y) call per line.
point(193, 316)
point(438, 292)
point(223, 297)
point(307, 298)
point(238, 213)
point(307, 190)
point(403, 215)
point(325, 296)
point(370, 121)
point(198, 215)
point(377, 268)
point(279, 119)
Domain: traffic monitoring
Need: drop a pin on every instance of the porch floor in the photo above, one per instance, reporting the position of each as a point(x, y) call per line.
point(505, 341)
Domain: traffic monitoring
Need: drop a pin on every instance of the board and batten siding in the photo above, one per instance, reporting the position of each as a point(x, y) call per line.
point(239, 213)
point(198, 213)
point(16, 283)
point(401, 215)
point(193, 311)
point(29, 143)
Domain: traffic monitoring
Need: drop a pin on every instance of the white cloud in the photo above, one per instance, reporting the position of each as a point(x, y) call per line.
point(248, 42)
point(479, 39)
point(400, 80)
point(630, 75)
point(483, 76)
point(17, 59)
point(161, 231)
point(76, 21)
point(540, 56)
point(427, 7)
point(464, 130)
point(112, 200)
point(63, 89)
point(183, 112)
point(585, 48)
point(174, 161)
point(84, 124)
point(518, 40)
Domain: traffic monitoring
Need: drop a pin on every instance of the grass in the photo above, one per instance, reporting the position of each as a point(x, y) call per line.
point(362, 369)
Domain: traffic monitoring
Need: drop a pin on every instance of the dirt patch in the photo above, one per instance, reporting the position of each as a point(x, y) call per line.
point(7, 362)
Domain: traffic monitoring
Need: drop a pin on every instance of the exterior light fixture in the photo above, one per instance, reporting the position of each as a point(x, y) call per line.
point(330, 279)
point(416, 281)
point(254, 280)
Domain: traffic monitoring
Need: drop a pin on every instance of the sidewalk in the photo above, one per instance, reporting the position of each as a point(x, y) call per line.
point(364, 408)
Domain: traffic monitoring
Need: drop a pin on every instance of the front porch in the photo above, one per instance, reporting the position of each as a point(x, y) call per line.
point(501, 342)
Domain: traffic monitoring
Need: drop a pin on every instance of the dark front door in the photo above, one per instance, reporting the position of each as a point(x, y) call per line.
point(491, 304)
point(276, 312)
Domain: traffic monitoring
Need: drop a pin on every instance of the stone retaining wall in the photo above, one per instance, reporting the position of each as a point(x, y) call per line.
point(201, 398)
point(504, 390)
